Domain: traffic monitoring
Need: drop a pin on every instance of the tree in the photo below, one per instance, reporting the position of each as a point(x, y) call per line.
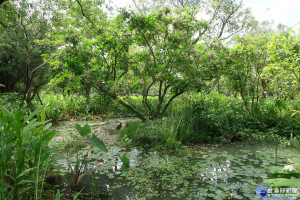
point(248, 59)
point(284, 71)
point(226, 17)
point(24, 23)
point(71, 21)
point(169, 57)
point(143, 52)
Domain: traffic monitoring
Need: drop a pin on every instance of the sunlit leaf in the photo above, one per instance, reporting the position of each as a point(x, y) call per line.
point(97, 142)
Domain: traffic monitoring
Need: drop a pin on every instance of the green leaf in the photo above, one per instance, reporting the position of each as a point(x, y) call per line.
point(83, 131)
point(38, 110)
point(25, 172)
point(296, 144)
point(25, 181)
point(23, 190)
point(275, 169)
point(6, 186)
point(125, 160)
point(7, 113)
point(284, 182)
point(49, 136)
point(77, 194)
point(57, 196)
point(97, 142)
point(36, 131)
point(18, 116)
point(47, 126)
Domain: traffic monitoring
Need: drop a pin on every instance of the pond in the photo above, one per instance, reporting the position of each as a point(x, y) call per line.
point(230, 171)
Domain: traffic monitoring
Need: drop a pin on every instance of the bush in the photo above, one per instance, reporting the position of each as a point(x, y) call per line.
point(100, 104)
point(12, 101)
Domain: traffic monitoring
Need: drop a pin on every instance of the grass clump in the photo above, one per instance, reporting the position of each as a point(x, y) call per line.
point(156, 133)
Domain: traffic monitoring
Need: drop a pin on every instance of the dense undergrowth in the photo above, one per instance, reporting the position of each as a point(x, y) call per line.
point(198, 119)
point(191, 119)
point(64, 107)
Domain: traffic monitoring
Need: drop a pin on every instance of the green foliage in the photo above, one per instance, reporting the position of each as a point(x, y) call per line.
point(203, 118)
point(260, 65)
point(77, 169)
point(146, 134)
point(139, 53)
point(10, 100)
point(248, 58)
point(97, 142)
point(125, 160)
point(100, 103)
point(83, 131)
point(25, 154)
point(21, 56)
point(58, 195)
point(59, 107)
point(284, 71)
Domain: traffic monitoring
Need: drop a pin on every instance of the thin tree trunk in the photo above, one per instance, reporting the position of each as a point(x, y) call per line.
point(170, 100)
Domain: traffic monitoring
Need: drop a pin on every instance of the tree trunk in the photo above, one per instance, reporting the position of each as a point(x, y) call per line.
point(28, 92)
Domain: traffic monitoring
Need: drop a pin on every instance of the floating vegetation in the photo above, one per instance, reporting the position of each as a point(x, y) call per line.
point(205, 172)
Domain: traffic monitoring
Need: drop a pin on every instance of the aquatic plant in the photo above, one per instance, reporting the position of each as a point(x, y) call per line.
point(125, 160)
point(77, 170)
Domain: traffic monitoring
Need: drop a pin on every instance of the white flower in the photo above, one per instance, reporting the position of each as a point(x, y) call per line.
point(289, 168)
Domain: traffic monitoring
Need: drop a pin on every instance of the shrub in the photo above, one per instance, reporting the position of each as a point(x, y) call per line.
point(62, 107)
point(100, 104)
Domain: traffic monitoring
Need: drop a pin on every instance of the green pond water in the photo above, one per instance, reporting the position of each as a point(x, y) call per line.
point(230, 171)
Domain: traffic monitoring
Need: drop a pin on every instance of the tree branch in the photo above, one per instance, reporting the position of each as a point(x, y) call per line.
point(2, 24)
point(145, 97)
point(233, 33)
point(137, 7)
point(82, 12)
point(114, 96)
point(41, 65)
point(170, 100)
